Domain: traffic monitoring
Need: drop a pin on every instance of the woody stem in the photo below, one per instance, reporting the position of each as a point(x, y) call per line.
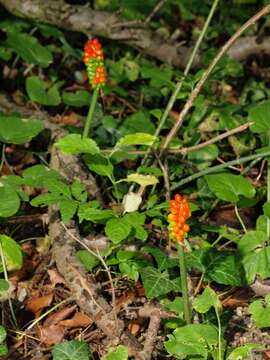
point(90, 114)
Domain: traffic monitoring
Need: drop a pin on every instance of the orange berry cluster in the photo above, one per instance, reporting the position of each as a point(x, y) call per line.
point(94, 60)
point(179, 213)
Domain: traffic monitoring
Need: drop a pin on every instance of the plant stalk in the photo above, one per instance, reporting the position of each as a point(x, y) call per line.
point(219, 335)
point(90, 114)
point(184, 287)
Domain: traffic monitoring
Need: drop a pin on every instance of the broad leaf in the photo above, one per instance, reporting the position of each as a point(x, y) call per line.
point(143, 180)
point(260, 311)
point(121, 353)
point(259, 114)
point(41, 92)
point(229, 187)
point(131, 202)
point(12, 253)
point(29, 48)
point(68, 209)
point(163, 260)
point(38, 175)
point(71, 350)
point(86, 212)
point(88, 260)
point(16, 130)
point(75, 144)
point(10, 201)
point(136, 139)
point(244, 352)
point(4, 286)
point(157, 283)
point(206, 300)
point(99, 164)
point(257, 263)
point(117, 230)
point(79, 98)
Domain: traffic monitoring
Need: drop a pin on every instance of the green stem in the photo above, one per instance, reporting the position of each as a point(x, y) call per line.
point(90, 113)
point(184, 287)
point(179, 84)
point(3, 157)
point(219, 335)
point(268, 198)
point(239, 218)
point(217, 168)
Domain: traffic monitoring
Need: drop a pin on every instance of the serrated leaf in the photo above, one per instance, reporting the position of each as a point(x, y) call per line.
point(46, 199)
point(78, 191)
point(143, 180)
point(41, 92)
point(157, 283)
point(136, 139)
point(10, 201)
point(38, 175)
point(117, 230)
point(75, 144)
point(86, 212)
point(68, 209)
point(16, 130)
point(229, 187)
point(58, 187)
point(88, 260)
point(71, 350)
point(12, 253)
point(78, 99)
point(259, 114)
point(99, 164)
point(28, 47)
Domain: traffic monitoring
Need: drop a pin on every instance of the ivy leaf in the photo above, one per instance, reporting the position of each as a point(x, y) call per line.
point(75, 144)
point(157, 283)
point(195, 340)
point(12, 253)
point(41, 92)
point(10, 201)
point(244, 352)
point(259, 114)
point(28, 47)
point(16, 130)
point(71, 350)
point(121, 353)
point(162, 259)
point(136, 139)
point(117, 230)
point(260, 311)
point(257, 263)
point(206, 300)
point(143, 180)
point(229, 187)
point(78, 99)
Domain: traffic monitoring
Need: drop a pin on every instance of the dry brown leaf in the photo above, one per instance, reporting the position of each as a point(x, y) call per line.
point(56, 317)
point(53, 334)
point(78, 320)
point(36, 304)
point(134, 327)
point(55, 277)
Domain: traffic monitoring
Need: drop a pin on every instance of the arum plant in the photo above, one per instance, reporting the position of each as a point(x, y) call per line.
point(179, 212)
point(94, 61)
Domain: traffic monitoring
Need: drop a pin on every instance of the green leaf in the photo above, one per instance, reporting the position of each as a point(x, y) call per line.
point(4, 286)
point(3, 349)
point(260, 311)
point(28, 47)
point(257, 263)
point(195, 340)
point(58, 187)
point(244, 352)
point(143, 180)
point(10, 201)
point(12, 253)
point(121, 353)
point(79, 98)
point(162, 259)
point(266, 209)
point(259, 114)
point(99, 164)
point(78, 191)
point(42, 92)
point(137, 122)
point(16, 130)
point(157, 283)
point(68, 209)
point(206, 300)
point(46, 199)
point(117, 230)
point(75, 144)
point(229, 187)
point(3, 334)
point(136, 139)
point(217, 266)
point(250, 241)
point(88, 260)
point(71, 350)
point(86, 212)
point(38, 175)
point(203, 157)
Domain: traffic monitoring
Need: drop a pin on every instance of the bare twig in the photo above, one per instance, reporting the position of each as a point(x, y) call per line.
point(205, 76)
point(154, 11)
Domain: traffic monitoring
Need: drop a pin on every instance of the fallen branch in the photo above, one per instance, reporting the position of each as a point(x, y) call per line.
point(111, 26)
